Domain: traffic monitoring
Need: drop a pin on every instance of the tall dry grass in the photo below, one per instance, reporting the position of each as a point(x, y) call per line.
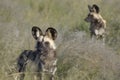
point(79, 57)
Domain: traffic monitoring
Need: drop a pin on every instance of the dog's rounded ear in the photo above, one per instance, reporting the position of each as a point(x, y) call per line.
point(90, 8)
point(97, 9)
point(36, 32)
point(51, 33)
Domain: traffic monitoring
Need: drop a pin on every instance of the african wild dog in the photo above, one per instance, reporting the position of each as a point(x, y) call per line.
point(97, 23)
point(44, 56)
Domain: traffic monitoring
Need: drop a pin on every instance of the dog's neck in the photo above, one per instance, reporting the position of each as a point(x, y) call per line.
point(45, 50)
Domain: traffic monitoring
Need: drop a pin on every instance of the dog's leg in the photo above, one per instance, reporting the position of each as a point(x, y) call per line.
point(21, 64)
point(97, 37)
point(54, 67)
point(92, 36)
point(53, 74)
point(52, 77)
point(39, 73)
point(38, 76)
point(103, 39)
point(21, 72)
point(53, 70)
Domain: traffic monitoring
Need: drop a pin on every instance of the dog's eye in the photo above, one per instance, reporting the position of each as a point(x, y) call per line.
point(47, 43)
point(91, 15)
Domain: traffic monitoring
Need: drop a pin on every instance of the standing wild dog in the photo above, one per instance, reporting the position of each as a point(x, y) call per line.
point(97, 23)
point(44, 56)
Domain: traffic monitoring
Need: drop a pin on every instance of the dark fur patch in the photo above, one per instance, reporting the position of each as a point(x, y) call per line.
point(96, 8)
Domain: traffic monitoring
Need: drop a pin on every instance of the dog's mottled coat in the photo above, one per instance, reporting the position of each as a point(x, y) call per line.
point(97, 23)
point(44, 56)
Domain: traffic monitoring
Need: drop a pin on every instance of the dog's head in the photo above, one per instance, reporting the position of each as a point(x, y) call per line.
point(93, 15)
point(44, 41)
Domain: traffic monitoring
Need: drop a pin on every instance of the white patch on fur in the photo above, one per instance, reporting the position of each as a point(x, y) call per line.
point(37, 33)
point(52, 44)
point(41, 38)
point(53, 73)
point(96, 32)
point(101, 31)
point(55, 62)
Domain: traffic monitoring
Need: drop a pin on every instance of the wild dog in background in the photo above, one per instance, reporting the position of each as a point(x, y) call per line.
point(44, 57)
point(97, 23)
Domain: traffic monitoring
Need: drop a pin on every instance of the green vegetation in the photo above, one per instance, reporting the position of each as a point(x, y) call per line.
point(80, 58)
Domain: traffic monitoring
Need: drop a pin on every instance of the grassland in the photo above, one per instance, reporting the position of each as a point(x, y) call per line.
point(79, 58)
